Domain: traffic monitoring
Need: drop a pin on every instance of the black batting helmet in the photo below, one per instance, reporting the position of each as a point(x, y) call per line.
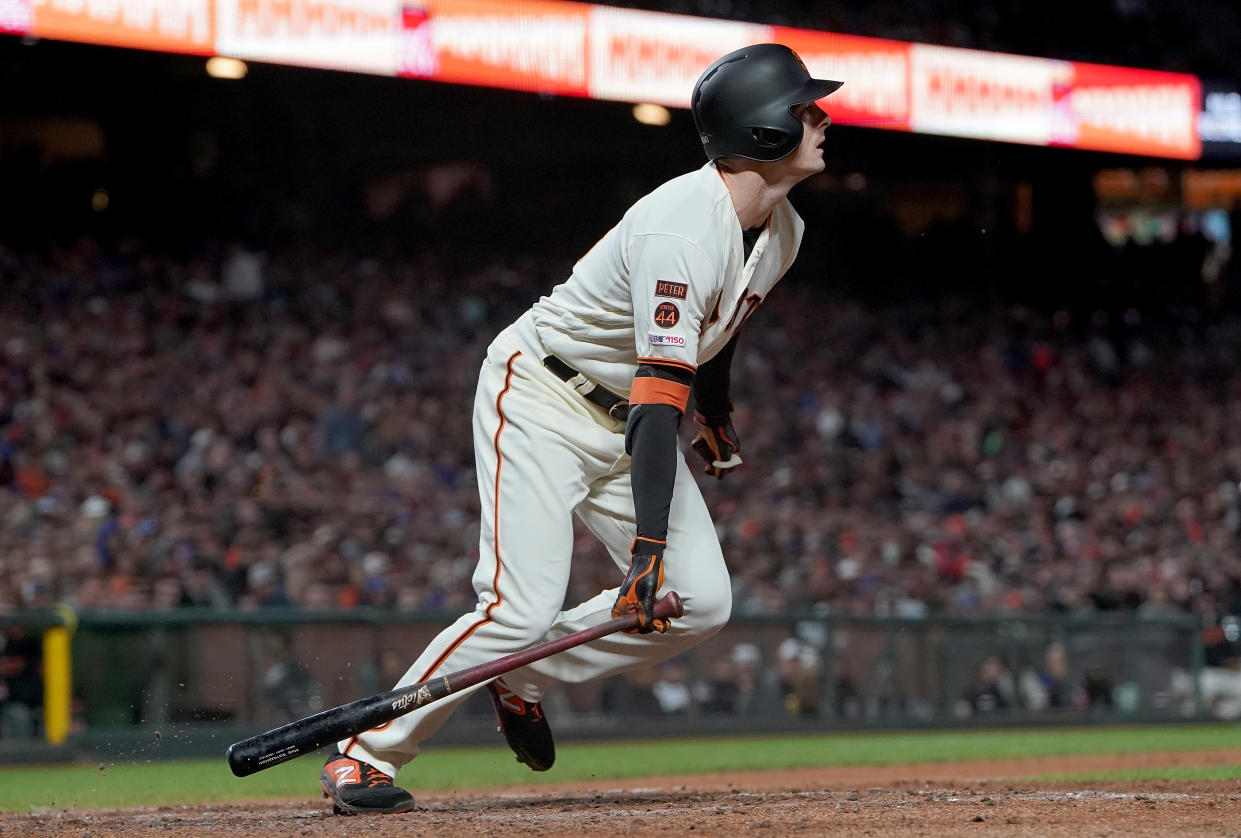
point(743, 102)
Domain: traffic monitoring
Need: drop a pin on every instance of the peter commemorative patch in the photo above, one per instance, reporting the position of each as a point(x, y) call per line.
point(668, 288)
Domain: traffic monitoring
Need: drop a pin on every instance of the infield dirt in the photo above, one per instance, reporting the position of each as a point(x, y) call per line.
point(974, 799)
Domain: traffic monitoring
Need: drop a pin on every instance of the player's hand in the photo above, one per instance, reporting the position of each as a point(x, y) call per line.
point(716, 443)
point(637, 592)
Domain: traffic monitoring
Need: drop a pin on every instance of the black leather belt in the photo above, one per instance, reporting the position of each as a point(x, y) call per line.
point(613, 405)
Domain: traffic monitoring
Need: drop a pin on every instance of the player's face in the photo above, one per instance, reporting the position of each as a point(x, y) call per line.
point(808, 158)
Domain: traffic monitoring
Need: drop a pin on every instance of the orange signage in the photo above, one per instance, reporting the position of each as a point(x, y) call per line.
point(165, 25)
point(527, 45)
point(605, 52)
point(1131, 111)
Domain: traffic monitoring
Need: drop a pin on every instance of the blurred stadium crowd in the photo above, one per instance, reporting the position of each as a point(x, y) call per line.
point(276, 423)
point(292, 428)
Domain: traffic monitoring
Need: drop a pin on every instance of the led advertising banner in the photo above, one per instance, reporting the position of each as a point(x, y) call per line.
point(166, 25)
point(536, 46)
point(1219, 122)
point(580, 49)
point(1129, 111)
point(16, 17)
point(967, 93)
point(653, 57)
point(356, 35)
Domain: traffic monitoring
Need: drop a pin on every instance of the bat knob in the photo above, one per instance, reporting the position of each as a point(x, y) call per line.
point(669, 606)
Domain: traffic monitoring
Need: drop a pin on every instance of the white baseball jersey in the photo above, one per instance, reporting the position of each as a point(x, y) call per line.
point(670, 282)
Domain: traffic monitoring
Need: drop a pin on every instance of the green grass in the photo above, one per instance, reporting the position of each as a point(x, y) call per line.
point(26, 788)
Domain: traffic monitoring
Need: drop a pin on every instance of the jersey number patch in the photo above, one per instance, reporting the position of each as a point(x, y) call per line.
point(666, 315)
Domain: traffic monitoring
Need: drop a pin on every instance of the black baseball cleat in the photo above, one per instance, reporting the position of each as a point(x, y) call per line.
point(359, 788)
point(524, 726)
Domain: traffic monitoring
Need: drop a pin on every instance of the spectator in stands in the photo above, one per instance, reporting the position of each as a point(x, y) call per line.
point(992, 690)
point(21, 683)
point(672, 688)
point(1048, 687)
point(798, 665)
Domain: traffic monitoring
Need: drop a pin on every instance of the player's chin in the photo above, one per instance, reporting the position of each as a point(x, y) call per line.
point(814, 165)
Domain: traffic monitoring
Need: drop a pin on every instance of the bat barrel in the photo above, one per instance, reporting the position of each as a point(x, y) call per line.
point(283, 744)
point(314, 732)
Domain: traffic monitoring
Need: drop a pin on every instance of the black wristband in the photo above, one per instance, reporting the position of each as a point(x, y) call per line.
point(651, 440)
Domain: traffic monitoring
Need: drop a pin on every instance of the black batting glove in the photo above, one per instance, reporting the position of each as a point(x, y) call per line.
point(717, 444)
point(644, 579)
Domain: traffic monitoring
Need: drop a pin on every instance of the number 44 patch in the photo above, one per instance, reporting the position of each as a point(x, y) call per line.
point(666, 315)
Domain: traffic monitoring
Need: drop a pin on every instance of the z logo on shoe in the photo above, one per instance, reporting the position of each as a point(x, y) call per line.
point(346, 774)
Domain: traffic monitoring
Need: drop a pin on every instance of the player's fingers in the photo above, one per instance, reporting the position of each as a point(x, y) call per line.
point(646, 625)
point(621, 608)
point(624, 605)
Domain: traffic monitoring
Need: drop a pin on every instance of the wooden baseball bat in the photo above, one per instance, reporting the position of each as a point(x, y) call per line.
point(313, 732)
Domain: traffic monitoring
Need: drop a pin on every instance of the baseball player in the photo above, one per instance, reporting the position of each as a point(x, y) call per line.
point(577, 411)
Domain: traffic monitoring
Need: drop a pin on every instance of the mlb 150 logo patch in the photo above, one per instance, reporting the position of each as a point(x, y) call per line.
point(668, 288)
point(666, 315)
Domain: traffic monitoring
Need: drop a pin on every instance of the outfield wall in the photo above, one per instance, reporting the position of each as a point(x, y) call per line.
point(152, 677)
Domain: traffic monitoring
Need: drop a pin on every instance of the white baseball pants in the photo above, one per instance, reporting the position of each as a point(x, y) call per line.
point(543, 453)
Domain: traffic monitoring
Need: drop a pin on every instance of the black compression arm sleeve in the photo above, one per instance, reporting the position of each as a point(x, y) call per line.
point(712, 381)
point(651, 441)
